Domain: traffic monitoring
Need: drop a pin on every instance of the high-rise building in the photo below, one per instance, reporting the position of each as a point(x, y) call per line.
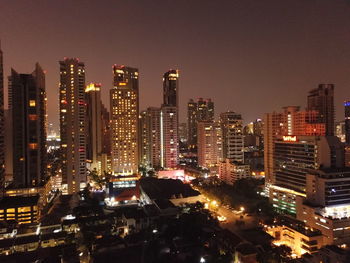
point(169, 137)
point(202, 110)
point(232, 136)
point(347, 122)
point(209, 144)
point(27, 103)
point(169, 120)
point(72, 124)
point(153, 136)
point(192, 123)
point(2, 123)
point(143, 140)
point(170, 88)
point(322, 101)
point(124, 104)
point(93, 126)
point(106, 165)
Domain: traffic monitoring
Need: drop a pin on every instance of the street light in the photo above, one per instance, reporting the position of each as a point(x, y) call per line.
point(242, 208)
point(202, 260)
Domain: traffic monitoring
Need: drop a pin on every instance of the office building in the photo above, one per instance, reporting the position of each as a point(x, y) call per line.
point(124, 105)
point(27, 103)
point(291, 121)
point(72, 124)
point(183, 132)
point(322, 101)
point(209, 144)
point(2, 124)
point(93, 126)
point(326, 205)
point(294, 157)
point(232, 136)
point(347, 122)
point(143, 140)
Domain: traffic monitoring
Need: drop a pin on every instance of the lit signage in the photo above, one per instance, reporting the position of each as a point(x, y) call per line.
point(289, 138)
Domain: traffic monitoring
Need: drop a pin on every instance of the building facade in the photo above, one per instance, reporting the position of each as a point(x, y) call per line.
point(27, 103)
point(347, 122)
point(124, 104)
point(72, 124)
point(2, 125)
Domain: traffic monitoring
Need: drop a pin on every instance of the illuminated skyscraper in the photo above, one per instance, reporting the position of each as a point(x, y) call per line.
point(322, 100)
point(169, 120)
point(27, 103)
point(2, 123)
point(93, 126)
point(347, 122)
point(124, 104)
point(72, 124)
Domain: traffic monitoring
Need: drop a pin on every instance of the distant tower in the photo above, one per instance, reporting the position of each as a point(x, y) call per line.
point(27, 103)
point(124, 104)
point(322, 100)
point(72, 123)
point(232, 136)
point(169, 120)
point(202, 110)
point(347, 122)
point(2, 123)
point(93, 126)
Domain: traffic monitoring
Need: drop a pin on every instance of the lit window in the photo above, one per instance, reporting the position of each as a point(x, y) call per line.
point(32, 103)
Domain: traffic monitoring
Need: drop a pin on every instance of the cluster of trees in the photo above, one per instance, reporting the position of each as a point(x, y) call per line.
point(245, 192)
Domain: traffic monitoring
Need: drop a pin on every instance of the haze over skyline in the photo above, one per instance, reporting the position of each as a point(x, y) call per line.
point(249, 56)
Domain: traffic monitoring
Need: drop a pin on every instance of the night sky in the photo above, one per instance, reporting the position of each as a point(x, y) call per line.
point(248, 56)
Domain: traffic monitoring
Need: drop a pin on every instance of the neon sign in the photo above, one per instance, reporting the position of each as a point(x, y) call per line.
point(289, 138)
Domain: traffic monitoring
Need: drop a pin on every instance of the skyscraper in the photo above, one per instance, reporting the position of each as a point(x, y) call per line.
point(232, 136)
point(169, 120)
point(72, 124)
point(322, 100)
point(2, 123)
point(93, 126)
point(124, 104)
point(347, 122)
point(27, 103)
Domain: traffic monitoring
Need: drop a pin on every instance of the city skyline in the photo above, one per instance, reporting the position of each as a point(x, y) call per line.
point(278, 60)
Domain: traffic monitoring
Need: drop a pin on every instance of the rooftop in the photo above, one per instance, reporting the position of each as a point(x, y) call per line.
point(18, 201)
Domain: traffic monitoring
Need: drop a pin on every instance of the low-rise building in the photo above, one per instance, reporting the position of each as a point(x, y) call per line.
point(229, 171)
point(23, 209)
